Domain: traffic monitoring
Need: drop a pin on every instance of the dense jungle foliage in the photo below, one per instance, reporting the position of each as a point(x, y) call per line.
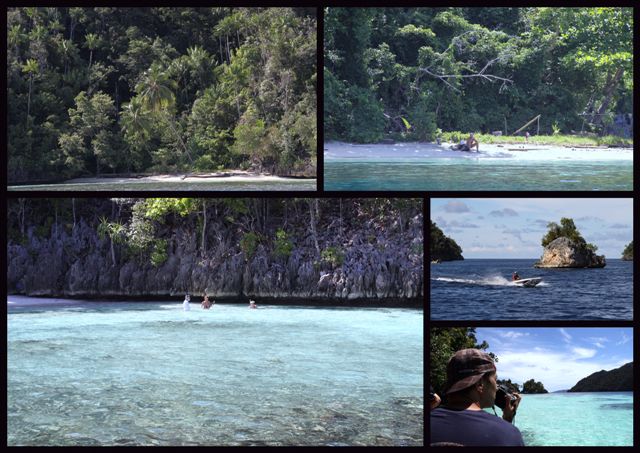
point(412, 73)
point(442, 247)
point(111, 90)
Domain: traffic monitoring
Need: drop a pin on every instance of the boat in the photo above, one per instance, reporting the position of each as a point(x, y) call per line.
point(528, 282)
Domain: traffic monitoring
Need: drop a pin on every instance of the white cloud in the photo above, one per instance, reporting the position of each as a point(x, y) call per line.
point(556, 370)
point(583, 353)
point(512, 335)
point(566, 336)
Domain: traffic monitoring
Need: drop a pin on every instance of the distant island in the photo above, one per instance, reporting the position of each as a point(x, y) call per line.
point(443, 248)
point(627, 254)
point(531, 386)
point(617, 380)
point(564, 247)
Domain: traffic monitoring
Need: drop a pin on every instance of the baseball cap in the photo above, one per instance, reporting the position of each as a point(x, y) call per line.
point(467, 367)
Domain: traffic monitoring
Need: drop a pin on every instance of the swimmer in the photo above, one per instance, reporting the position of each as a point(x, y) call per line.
point(185, 303)
point(252, 304)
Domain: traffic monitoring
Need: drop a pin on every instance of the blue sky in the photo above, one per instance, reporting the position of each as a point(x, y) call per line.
point(514, 227)
point(557, 357)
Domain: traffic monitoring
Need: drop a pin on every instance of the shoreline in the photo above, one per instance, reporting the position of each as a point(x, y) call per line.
point(231, 176)
point(414, 151)
point(16, 300)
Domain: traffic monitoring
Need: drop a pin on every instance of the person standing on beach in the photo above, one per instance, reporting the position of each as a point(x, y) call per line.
point(471, 387)
point(526, 137)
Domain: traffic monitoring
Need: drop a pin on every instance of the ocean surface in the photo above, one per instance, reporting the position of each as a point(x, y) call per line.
point(479, 289)
point(576, 419)
point(440, 174)
point(214, 185)
point(153, 374)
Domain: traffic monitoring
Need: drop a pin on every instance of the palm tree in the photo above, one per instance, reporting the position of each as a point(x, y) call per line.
point(30, 67)
point(134, 118)
point(155, 89)
point(91, 43)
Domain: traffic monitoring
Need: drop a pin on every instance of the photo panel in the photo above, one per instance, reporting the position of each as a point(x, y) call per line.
point(281, 321)
point(478, 99)
point(531, 259)
point(531, 386)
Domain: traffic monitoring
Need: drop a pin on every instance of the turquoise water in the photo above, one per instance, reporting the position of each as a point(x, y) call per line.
point(481, 174)
point(576, 419)
point(151, 374)
point(215, 185)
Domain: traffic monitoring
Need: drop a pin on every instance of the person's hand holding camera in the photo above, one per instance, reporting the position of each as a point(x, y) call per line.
point(509, 410)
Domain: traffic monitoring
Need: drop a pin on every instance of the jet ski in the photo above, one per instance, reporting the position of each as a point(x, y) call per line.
point(528, 282)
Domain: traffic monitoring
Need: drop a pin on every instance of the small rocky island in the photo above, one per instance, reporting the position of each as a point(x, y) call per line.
point(443, 248)
point(617, 380)
point(564, 247)
point(627, 254)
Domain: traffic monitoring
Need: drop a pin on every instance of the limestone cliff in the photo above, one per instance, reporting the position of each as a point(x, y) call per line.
point(382, 260)
point(618, 380)
point(563, 252)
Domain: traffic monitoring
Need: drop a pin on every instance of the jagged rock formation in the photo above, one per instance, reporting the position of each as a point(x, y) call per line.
point(618, 380)
point(443, 248)
point(563, 252)
point(381, 263)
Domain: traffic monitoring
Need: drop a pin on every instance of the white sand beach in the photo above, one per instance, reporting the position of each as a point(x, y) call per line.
point(203, 178)
point(409, 151)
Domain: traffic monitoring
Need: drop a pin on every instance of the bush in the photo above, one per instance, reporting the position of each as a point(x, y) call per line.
point(283, 245)
point(249, 244)
point(333, 256)
point(159, 252)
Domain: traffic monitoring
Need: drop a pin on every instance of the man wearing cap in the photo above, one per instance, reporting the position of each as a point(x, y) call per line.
point(471, 386)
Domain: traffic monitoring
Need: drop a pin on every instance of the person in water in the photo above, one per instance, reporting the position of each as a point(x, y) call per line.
point(205, 302)
point(515, 276)
point(471, 387)
point(185, 303)
point(252, 304)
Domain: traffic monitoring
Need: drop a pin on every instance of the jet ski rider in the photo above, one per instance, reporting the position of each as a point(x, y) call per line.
point(515, 276)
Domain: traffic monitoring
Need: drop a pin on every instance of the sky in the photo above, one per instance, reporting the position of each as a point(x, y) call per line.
point(557, 357)
point(514, 227)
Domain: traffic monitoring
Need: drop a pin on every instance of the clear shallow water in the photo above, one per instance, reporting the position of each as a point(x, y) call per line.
point(217, 185)
point(438, 174)
point(151, 374)
point(481, 289)
point(576, 419)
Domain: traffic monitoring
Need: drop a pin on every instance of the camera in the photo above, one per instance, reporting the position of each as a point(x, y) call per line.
point(503, 394)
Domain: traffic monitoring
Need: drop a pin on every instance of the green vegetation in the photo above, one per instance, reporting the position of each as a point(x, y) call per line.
point(559, 140)
point(446, 341)
point(100, 90)
point(249, 244)
point(410, 73)
point(532, 386)
point(568, 230)
point(441, 247)
point(627, 254)
point(283, 245)
point(333, 255)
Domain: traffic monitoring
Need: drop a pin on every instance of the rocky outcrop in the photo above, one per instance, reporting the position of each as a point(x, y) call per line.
point(379, 264)
point(443, 248)
point(627, 254)
point(563, 252)
point(618, 380)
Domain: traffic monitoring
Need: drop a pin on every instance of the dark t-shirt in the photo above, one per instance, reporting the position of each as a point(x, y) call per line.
point(472, 428)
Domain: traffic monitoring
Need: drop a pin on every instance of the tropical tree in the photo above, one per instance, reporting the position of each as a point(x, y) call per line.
point(31, 68)
point(156, 91)
point(91, 42)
